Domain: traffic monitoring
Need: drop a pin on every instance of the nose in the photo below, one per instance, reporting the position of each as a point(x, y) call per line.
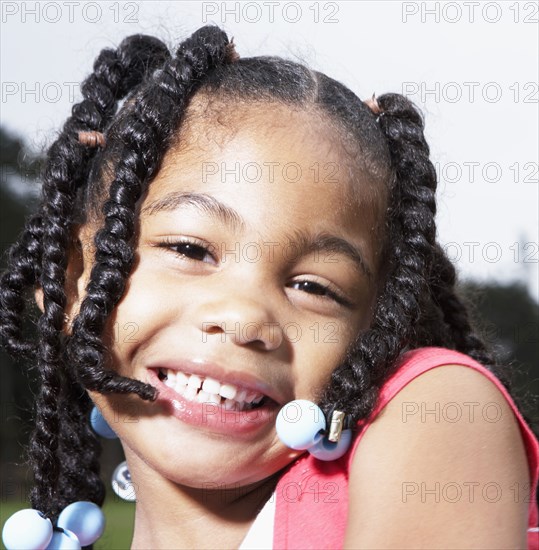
point(244, 320)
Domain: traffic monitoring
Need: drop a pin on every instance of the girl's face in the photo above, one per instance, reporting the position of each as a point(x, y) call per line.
point(256, 267)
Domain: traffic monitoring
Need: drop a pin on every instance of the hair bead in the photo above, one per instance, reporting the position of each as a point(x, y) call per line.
point(100, 425)
point(122, 484)
point(300, 424)
point(84, 519)
point(63, 539)
point(27, 529)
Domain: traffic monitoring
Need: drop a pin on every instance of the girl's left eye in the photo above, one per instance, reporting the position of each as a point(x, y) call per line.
point(318, 289)
point(192, 250)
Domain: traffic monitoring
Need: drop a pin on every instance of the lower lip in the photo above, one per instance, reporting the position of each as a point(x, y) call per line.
point(210, 415)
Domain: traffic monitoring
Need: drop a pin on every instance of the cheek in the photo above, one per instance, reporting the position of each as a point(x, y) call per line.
point(121, 412)
point(150, 301)
point(321, 352)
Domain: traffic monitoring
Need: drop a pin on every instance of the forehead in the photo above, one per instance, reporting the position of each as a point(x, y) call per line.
point(273, 129)
point(284, 137)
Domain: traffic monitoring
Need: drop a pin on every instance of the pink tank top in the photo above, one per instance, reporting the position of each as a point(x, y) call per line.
point(312, 495)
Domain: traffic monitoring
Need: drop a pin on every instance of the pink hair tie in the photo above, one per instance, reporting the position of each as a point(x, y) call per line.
point(92, 139)
point(231, 55)
point(373, 105)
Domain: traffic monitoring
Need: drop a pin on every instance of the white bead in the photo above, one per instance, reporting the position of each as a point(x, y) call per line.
point(64, 540)
point(122, 484)
point(326, 450)
point(27, 529)
point(83, 518)
point(299, 424)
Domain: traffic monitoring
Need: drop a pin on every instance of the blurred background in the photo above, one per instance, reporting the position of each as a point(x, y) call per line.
point(472, 67)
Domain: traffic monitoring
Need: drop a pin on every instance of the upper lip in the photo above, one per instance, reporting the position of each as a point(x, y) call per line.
point(240, 379)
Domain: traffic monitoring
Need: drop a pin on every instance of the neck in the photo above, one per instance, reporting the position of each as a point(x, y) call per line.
point(170, 514)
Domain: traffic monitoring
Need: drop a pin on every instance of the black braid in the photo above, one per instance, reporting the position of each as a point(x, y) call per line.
point(136, 56)
point(25, 259)
point(456, 316)
point(41, 254)
point(420, 281)
point(144, 137)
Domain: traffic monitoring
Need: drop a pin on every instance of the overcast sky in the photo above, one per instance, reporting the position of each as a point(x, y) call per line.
point(472, 67)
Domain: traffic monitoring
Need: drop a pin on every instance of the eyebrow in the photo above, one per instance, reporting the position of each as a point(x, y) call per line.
point(324, 242)
point(206, 204)
point(226, 215)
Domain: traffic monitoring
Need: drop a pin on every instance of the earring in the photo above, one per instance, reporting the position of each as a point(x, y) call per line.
point(301, 425)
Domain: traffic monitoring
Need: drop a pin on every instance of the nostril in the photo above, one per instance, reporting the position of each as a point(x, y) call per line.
point(212, 328)
point(265, 335)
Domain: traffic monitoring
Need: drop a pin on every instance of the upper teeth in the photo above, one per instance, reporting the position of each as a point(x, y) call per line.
point(208, 390)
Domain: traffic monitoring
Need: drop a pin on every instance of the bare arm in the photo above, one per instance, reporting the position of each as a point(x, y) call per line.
point(424, 478)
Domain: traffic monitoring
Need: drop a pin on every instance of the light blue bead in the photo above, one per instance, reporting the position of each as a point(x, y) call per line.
point(85, 519)
point(299, 424)
point(64, 540)
point(27, 529)
point(100, 426)
point(326, 450)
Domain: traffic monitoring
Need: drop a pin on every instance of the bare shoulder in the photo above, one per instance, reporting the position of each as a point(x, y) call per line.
point(442, 466)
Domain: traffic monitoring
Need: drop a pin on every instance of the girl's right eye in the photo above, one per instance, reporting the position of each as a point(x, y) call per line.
point(189, 249)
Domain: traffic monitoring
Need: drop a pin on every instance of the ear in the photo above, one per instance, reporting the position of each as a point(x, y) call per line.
point(79, 268)
point(80, 259)
point(38, 295)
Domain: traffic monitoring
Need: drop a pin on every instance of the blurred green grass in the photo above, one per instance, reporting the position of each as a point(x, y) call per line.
point(119, 517)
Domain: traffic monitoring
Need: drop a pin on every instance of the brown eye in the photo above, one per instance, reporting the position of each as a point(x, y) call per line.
point(318, 289)
point(314, 288)
point(190, 250)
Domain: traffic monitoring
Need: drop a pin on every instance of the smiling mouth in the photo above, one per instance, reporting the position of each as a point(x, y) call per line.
point(200, 389)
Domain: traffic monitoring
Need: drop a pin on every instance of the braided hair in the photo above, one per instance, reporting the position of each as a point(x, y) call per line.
point(416, 304)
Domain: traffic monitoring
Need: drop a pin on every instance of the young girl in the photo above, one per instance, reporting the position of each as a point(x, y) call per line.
point(246, 245)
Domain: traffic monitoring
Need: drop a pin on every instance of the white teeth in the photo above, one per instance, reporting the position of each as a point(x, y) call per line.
point(213, 398)
point(189, 386)
point(211, 386)
point(205, 397)
point(190, 393)
point(181, 378)
point(228, 391)
point(230, 404)
point(194, 382)
point(240, 396)
point(250, 396)
point(202, 396)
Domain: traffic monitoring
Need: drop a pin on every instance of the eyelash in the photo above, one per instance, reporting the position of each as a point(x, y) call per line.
point(328, 292)
point(171, 245)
